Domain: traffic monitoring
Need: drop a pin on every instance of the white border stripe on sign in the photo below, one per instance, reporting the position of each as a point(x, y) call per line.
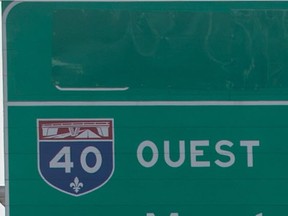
point(148, 103)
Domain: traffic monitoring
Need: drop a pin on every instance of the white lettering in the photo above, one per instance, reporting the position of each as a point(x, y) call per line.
point(196, 153)
point(153, 147)
point(98, 157)
point(67, 164)
point(181, 154)
point(198, 150)
point(250, 144)
point(229, 154)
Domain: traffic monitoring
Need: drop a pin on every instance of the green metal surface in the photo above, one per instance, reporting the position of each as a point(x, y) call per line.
point(160, 51)
point(169, 49)
point(137, 190)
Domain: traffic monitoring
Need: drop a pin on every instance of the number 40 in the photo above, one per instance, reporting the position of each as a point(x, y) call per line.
point(67, 164)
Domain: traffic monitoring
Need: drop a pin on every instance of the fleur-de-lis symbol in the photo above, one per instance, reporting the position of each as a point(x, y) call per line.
point(76, 185)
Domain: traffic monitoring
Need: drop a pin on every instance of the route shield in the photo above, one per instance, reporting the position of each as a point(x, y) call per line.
point(76, 156)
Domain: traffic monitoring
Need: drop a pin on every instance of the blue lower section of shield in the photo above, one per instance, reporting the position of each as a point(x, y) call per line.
point(76, 168)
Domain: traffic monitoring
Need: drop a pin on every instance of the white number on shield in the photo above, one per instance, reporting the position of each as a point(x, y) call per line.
point(67, 164)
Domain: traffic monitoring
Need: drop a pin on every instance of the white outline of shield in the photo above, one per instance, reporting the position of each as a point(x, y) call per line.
point(81, 119)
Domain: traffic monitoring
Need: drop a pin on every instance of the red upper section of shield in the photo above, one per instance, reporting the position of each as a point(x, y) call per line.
point(90, 129)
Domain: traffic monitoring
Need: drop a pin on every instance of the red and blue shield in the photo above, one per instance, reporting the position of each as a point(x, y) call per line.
point(75, 156)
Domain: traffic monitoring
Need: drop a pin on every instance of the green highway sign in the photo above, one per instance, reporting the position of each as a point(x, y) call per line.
point(146, 108)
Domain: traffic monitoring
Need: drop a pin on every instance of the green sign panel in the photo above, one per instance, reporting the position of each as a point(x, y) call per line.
point(146, 108)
